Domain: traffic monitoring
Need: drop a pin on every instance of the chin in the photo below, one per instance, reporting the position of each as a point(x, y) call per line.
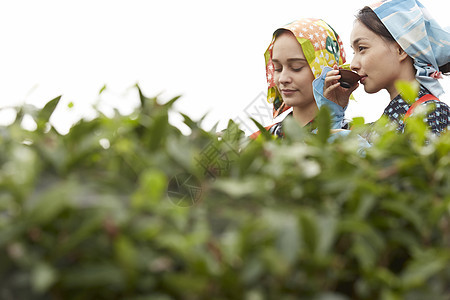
point(291, 102)
point(370, 90)
point(298, 101)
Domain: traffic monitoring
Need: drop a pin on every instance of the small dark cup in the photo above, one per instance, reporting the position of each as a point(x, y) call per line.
point(348, 78)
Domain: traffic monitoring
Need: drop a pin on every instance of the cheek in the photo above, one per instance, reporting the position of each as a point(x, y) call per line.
point(380, 60)
point(305, 78)
point(367, 62)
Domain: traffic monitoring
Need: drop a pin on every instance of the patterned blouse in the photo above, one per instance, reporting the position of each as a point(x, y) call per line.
point(438, 119)
point(275, 129)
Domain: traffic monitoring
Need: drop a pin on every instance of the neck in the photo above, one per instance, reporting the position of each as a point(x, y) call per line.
point(394, 92)
point(303, 115)
point(407, 73)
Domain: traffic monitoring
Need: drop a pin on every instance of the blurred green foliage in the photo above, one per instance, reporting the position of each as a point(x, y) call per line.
point(127, 207)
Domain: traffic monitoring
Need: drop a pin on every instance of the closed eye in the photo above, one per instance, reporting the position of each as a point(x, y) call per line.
point(277, 67)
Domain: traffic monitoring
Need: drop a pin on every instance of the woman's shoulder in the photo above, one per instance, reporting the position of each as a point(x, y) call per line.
point(437, 112)
point(427, 99)
point(432, 103)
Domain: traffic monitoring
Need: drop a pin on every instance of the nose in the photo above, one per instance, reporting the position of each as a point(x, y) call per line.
point(355, 64)
point(284, 77)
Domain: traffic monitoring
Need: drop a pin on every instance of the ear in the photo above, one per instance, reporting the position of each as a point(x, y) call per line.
point(402, 55)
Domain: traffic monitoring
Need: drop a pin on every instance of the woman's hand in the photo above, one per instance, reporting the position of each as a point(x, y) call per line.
point(333, 91)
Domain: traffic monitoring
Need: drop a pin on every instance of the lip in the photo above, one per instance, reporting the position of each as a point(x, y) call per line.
point(288, 92)
point(363, 78)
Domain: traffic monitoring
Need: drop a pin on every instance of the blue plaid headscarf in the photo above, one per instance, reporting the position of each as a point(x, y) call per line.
point(420, 36)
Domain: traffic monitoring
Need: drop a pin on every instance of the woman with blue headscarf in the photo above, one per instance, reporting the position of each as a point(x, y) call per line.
point(395, 40)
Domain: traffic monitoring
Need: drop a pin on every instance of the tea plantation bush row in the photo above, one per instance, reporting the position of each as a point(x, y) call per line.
point(127, 207)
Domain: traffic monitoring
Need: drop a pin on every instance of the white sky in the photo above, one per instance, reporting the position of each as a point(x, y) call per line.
point(210, 52)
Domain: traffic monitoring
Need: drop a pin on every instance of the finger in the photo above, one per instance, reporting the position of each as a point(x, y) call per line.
point(331, 89)
point(337, 85)
point(332, 73)
point(332, 79)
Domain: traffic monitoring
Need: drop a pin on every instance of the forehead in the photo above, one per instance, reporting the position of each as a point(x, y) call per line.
point(286, 45)
point(361, 33)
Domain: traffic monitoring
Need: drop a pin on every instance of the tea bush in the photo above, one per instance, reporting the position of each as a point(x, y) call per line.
point(127, 207)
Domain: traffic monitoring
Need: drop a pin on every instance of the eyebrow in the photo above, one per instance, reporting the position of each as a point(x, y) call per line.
point(291, 60)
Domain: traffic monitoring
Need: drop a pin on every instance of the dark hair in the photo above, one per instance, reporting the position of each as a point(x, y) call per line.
point(279, 31)
point(445, 69)
point(368, 17)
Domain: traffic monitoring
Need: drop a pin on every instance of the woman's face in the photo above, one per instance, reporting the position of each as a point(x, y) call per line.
point(292, 73)
point(375, 59)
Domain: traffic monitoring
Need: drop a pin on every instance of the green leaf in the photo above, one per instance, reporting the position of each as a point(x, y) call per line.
point(408, 90)
point(323, 122)
point(102, 89)
point(357, 122)
point(188, 121)
point(327, 227)
point(405, 212)
point(424, 267)
point(266, 134)
point(126, 255)
point(50, 203)
point(45, 113)
point(232, 133)
point(153, 186)
point(144, 100)
point(93, 275)
point(287, 234)
point(171, 102)
point(309, 231)
point(293, 130)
